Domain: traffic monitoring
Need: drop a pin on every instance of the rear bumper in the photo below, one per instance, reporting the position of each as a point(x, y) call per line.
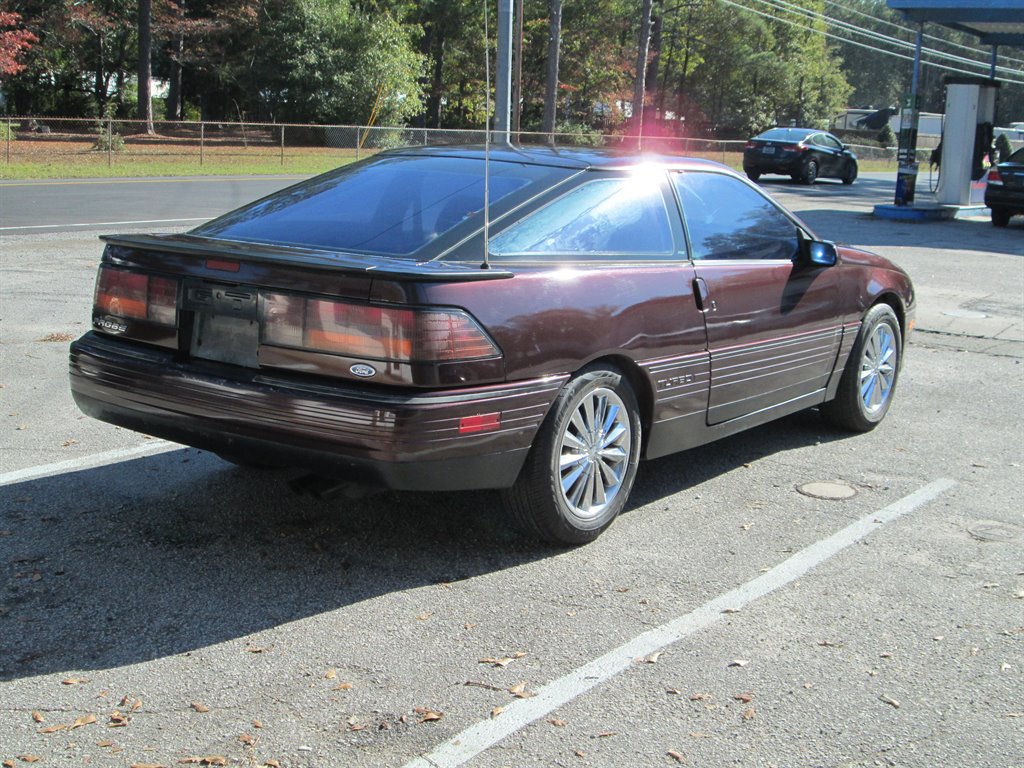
point(408, 440)
point(1000, 197)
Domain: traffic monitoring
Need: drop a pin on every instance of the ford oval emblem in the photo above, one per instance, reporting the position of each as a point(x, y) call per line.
point(363, 371)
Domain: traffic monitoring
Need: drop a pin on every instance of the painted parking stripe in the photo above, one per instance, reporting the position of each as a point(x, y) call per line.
point(87, 462)
point(103, 224)
point(517, 715)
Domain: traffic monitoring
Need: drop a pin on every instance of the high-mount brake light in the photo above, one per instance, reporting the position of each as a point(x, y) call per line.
point(374, 332)
point(137, 296)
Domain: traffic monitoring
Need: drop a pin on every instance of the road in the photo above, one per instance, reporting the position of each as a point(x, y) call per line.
point(725, 618)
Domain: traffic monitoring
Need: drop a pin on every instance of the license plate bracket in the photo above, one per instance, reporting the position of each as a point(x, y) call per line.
point(226, 328)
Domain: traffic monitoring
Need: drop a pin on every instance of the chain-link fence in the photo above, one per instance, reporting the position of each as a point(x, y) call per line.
point(77, 146)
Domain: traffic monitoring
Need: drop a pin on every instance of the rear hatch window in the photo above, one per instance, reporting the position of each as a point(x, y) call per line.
point(392, 205)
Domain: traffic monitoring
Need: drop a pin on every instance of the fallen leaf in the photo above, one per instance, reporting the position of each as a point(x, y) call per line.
point(557, 722)
point(831, 644)
point(579, 753)
point(331, 674)
point(424, 616)
point(673, 691)
point(885, 655)
point(74, 681)
point(496, 711)
point(746, 698)
point(117, 720)
point(257, 724)
point(83, 720)
point(653, 658)
point(429, 715)
point(488, 686)
point(38, 717)
point(8, 764)
point(677, 756)
point(700, 697)
point(57, 337)
point(749, 714)
point(622, 590)
point(29, 758)
point(272, 764)
point(730, 610)
point(146, 765)
point(1004, 667)
point(245, 738)
point(990, 585)
point(469, 625)
point(503, 662)
point(354, 724)
point(606, 734)
point(257, 649)
point(518, 654)
point(890, 702)
point(68, 443)
point(738, 663)
point(105, 743)
point(208, 760)
point(52, 728)
point(199, 707)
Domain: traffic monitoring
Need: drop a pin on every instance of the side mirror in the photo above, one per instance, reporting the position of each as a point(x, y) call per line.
point(821, 252)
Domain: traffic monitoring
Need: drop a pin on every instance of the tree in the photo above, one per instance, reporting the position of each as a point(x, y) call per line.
point(639, 83)
point(145, 71)
point(554, 50)
point(14, 42)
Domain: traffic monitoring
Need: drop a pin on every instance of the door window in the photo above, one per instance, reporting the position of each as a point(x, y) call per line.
point(727, 219)
point(617, 217)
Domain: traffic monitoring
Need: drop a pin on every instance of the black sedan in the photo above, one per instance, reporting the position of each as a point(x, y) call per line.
point(801, 153)
point(1004, 193)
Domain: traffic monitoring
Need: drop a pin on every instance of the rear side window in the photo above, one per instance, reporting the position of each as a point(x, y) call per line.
point(727, 219)
point(393, 206)
point(618, 217)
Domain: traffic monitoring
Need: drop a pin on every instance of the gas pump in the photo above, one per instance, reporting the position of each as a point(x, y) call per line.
point(966, 139)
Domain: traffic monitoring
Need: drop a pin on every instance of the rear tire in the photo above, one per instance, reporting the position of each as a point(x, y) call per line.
point(869, 378)
point(753, 175)
point(810, 172)
point(582, 465)
point(1000, 217)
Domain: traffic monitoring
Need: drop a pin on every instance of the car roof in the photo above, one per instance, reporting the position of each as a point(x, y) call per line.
point(582, 158)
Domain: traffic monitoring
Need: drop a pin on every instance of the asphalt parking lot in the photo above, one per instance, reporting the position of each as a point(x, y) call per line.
point(161, 607)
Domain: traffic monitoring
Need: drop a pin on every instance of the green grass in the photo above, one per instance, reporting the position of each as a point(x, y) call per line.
point(126, 167)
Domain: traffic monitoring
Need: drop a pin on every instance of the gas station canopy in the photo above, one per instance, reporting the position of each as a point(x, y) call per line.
point(993, 22)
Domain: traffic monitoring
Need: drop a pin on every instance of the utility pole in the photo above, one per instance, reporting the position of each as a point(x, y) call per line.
point(503, 83)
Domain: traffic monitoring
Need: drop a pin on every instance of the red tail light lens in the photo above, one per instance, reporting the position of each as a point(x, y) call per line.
point(379, 333)
point(994, 177)
point(749, 145)
point(135, 295)
point(792, 147)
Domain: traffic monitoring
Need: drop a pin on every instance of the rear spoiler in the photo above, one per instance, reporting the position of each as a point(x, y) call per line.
point(349, 263)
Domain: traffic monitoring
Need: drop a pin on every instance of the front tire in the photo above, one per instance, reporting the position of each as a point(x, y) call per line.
point(869, 379)
point(851, 174)
point(581, 468)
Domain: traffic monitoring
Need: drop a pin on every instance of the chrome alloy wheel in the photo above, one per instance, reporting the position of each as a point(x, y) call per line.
point(878, 368)
point(594, 453)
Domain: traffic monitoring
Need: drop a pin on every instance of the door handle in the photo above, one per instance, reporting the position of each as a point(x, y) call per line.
point(700, 294)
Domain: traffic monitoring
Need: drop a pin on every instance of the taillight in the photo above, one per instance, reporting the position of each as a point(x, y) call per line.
point(135, 295)
point(994, 177)
point(749, 145)
point(375, 332)
point(792, 147)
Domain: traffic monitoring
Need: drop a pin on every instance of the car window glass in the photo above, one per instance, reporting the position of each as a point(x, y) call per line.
point(831, 141)
point(392, 206)
point(622, 216)
point(727, 219)
point(1018, 156)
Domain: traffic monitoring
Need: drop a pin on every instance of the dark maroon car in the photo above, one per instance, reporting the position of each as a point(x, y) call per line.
point(628, 308)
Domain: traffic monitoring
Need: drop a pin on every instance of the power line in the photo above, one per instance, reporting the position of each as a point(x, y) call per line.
point(912, 31)
point(784, 6)
point(850, 41)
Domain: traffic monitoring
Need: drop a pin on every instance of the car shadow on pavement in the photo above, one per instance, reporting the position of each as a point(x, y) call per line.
point(166, 554)
point(950, 237)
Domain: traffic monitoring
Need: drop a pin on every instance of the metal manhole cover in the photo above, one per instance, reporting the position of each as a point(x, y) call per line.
point(990, 530)
point(830, 490)
point(967, 313)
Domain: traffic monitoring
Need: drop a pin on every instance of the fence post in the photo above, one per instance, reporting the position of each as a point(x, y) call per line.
point(110, 141)
point(202, 140)
point(282, 146)
point(358, 142)
point(424, 137)
point(10, 130)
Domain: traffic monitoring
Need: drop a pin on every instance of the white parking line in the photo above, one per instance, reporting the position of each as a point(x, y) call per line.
point(87, 462)
point(101, 224)
point(485, 734)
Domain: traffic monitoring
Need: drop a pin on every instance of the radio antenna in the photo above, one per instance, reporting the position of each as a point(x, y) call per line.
point(487, 140)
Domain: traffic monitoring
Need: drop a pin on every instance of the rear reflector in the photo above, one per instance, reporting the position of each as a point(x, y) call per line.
point(375, 332)
point(484, 422)
point(135, 295)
